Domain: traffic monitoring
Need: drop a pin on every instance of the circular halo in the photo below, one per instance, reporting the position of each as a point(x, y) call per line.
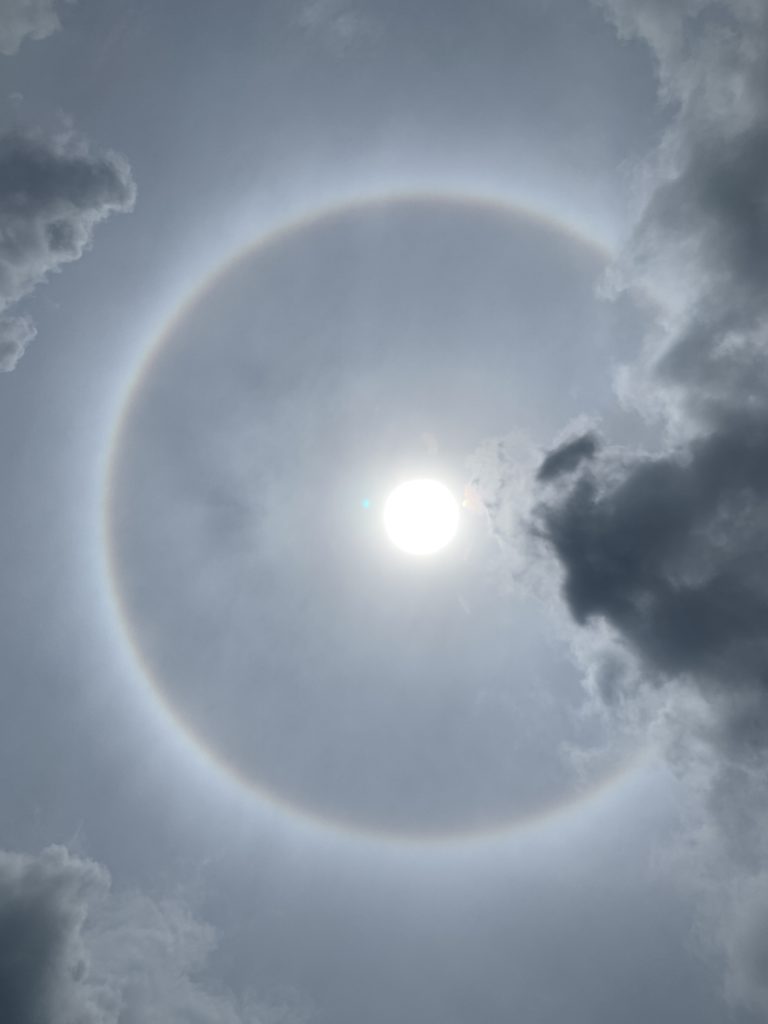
point(266, 792)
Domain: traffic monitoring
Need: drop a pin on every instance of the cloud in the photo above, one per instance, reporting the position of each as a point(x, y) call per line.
point(720, 859)
point(338, 23)
point(22, 19)
point(745, 940)
point(672, 550)
point(701, 243)
point(16, 332)
point(668, 550)
point(72, 950)
point(53, 193)
point(567, 457)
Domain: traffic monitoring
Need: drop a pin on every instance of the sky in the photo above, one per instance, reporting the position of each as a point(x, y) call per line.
point(260, 262)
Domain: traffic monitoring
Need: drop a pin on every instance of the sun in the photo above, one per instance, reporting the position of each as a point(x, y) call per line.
point(421, 516)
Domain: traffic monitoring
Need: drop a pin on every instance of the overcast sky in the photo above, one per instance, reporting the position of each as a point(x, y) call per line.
point(260, 262)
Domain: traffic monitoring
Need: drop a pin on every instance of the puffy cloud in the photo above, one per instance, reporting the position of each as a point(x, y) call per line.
point(22, 19)
point(42, 955)
point(72, 951)
point(700, 246)
point(672, 550)
point(668, 551)
point(567, 456)
point(53, 192)
point(16, 332)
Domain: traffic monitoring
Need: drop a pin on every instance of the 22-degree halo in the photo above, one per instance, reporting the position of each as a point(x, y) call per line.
point(154, 676)
point(421, 516)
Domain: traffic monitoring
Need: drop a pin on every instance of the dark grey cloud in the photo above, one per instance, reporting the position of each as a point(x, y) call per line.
point(567, 457)
point(27, 19)
point(42, 955)
point(670, 549)
point(73, 950)
point(53, 193)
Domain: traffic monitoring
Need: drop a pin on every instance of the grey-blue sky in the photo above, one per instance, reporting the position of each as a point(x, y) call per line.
point(222, 114)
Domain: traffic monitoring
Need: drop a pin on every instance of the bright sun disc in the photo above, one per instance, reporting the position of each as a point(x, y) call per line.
point(421, 516)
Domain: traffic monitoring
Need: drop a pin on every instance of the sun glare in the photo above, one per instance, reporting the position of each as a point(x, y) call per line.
point(421, 516)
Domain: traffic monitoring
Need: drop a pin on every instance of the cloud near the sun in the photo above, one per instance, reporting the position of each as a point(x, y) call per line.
point(669, 549)
point(672, 550)
point(53, 193)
